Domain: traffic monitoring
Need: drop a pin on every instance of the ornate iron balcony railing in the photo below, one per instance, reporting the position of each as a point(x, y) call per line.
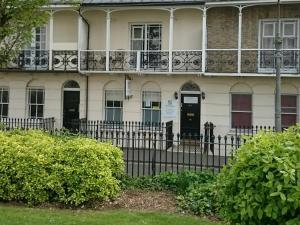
point(65, 60)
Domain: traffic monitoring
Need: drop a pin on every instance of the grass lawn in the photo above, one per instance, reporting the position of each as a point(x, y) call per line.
point(10, 215)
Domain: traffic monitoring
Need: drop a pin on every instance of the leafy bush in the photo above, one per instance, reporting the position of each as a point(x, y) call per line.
point(200, 199)
point(262, 184)
point(36, 167)
point(194, 190)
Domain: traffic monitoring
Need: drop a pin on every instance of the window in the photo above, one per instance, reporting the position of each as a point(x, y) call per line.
point(4, 101)
point(288, 110)
point(147, 38)
point(289, 33)
point(241, 110)
point(36, 101)
point(151, 107)
point(113, 105)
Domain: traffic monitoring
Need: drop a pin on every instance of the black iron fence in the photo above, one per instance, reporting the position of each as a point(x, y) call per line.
point(47, 124)
point(152, 148)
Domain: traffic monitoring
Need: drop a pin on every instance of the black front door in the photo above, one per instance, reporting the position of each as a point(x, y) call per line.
point(190, 114)
point(71, 110)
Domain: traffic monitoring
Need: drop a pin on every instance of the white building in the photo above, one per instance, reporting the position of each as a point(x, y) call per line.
point(189, 61)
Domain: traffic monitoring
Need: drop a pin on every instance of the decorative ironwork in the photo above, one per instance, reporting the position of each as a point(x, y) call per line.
point(123, 60)
point(190, 86)
point(263, 61)
point(30, 60)
point(187, 61)
point(155, 61)
point(222, 61)
point(93, 60)
point(65, 60)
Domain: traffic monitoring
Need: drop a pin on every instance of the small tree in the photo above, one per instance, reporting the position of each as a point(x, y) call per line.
point(17, 19)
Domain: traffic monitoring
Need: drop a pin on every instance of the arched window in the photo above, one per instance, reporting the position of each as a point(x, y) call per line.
point(4, 101)
point(151, 103)
point(71, 84)
point(190, 86)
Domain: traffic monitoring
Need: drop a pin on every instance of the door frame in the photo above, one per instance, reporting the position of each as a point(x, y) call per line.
point(190, 93)
point(63, 102)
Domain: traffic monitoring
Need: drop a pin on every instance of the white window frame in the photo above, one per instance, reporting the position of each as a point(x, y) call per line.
point(151, 109)
point(233, 111)
point(29, 104)
point(262, 23)
point(2, 89)
point(113, 107)
point(297, 108)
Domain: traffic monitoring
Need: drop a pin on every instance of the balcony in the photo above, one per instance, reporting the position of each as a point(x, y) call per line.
point(42, 60)
point(217, 61)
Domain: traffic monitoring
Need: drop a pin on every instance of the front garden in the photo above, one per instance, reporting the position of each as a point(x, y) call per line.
point(260, 186)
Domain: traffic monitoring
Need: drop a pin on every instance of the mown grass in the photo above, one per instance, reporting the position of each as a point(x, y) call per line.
point(11, 215)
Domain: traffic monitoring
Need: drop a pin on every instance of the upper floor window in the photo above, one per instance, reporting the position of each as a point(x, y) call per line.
point(114, 105)
point(290, 38)
point(241, 110)
point(146, 37)
point(36, 102)
point(288, 110)
point(151, 107)
point(4, 101)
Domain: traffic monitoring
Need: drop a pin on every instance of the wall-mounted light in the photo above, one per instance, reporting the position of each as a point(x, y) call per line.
point(203, 95)
point(176, 95)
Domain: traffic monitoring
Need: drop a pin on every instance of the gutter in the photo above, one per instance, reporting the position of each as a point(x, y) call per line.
point(87, 77)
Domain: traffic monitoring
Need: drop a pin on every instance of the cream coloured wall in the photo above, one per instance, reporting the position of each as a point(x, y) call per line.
point(65, 30)
point(215, 108)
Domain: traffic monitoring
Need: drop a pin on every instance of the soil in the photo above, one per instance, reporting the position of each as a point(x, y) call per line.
point(142, 200)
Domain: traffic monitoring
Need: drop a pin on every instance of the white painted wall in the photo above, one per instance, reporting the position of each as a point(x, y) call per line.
point(215, 108)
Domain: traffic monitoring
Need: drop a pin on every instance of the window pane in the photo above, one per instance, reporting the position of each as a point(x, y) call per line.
point(109, 103)
point(117, 104)
point(5, 97)
point(4, 110)
point(288, 101)
point(269, 29)
point(146, 115)
point(268, 43)
point(241, 119)
point(241, 102)
point(288, 120)
point(155, 116)
point(289, 29)
point(289, 43)
point(137, 45)
point(138, 32)
point(32, 111)
point(118, 115)
point(109, 114)
point(40, 97)
point(32, 94)
point(40, 111)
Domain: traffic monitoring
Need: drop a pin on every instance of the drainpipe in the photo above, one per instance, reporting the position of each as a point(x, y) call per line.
point(87, 77)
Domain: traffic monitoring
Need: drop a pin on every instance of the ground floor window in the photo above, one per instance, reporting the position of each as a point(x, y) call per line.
point(113, 105)
point(151, 107)
point(241, 110)
point(288, 110)
point(4, 101)
point(36, 102)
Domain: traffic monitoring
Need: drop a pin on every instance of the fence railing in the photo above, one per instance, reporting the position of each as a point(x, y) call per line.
point(47, 124)
point(152, 148)
point(231, 61)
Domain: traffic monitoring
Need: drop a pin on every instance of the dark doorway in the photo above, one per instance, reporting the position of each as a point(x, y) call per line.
point(71, 110)
point(190, 114)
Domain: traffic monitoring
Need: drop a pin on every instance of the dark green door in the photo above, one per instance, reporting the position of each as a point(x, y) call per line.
point(190, 114)
point(71, 110)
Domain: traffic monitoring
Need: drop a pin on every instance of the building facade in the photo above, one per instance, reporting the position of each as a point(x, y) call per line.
point(154, 61)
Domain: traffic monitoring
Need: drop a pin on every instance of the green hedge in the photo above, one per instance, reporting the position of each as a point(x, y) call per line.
point(262, 184)
point(36, 167)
